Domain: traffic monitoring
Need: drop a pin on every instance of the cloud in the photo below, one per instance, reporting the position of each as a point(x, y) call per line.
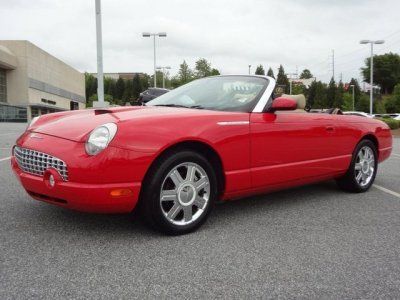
point(231, 34)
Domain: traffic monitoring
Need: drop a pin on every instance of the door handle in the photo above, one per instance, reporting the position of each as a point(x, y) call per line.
point(330, 128)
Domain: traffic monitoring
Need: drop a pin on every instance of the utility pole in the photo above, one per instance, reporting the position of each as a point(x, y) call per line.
point(333, 64)
point(249, 69)
point(100, 82)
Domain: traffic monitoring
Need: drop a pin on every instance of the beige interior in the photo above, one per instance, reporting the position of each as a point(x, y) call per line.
point(300, 99)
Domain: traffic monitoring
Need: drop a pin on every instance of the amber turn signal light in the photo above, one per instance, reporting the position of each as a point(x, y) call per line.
point(121, 192)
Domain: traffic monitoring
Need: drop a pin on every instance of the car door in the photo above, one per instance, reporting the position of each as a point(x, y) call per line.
point(291, 146)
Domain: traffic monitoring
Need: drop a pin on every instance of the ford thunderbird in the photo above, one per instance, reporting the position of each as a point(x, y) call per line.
point(213, 139)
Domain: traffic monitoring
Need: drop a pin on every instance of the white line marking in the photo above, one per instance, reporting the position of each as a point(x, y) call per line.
point(393, 193)
point(398, 155)
point(9, 133)
point(6, 158)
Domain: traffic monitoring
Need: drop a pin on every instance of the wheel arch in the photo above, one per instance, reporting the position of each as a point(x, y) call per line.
point(371, 137)
point(197, 146)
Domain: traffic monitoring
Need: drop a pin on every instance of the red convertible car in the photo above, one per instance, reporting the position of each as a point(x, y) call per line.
point(217, 138)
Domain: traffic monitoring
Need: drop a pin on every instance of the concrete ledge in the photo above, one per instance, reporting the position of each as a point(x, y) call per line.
point(7, 59)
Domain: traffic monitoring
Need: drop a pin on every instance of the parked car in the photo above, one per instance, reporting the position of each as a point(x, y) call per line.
point(358, 113)
point(392, 116)
point(395, 116)
point(216, 138)
point(151, 94)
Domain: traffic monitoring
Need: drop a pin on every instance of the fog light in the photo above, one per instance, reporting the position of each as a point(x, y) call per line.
point(121, 192)
point(51, 180)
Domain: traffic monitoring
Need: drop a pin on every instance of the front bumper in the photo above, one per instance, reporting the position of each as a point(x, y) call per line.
point(106, 183)
point(95, 198)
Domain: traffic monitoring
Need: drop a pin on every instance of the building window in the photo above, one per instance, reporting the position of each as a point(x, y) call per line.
point(12, 113)
point(34, 112)
point(73, 105)
point(3, 86)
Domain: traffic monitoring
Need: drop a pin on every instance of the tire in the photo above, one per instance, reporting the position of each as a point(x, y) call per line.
point(362, 171)
point(179, 192)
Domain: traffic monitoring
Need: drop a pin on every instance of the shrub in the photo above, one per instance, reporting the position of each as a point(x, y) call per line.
point(392, 123)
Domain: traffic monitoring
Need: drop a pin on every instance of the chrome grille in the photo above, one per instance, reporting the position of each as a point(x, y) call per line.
point(36, 163)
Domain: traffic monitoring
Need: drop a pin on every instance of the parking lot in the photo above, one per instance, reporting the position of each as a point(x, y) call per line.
point(309, 242)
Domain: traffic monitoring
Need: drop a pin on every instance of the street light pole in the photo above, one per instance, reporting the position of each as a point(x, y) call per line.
point(159, 34)
point(371, 92)
point(249, 69)
point(163, 73)
point(155, 71)
point(99, 43)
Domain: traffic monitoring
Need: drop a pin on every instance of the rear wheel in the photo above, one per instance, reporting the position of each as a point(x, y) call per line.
point(362, 171)
point(179, 196)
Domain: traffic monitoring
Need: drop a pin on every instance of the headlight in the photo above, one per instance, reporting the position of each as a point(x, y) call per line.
point(100, 137)
point(33, 121)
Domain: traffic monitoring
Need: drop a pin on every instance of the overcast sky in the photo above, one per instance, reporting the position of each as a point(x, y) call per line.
point(230, 33)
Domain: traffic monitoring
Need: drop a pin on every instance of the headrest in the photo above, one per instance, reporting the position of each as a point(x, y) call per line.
point(300, 99)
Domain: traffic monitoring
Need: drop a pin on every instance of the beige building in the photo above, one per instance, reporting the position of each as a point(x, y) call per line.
point(33, 82)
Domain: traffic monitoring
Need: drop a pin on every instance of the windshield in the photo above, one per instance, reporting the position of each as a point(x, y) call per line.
point(226, 93)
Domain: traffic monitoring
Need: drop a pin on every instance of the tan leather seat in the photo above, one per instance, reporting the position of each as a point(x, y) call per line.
point(301, 102)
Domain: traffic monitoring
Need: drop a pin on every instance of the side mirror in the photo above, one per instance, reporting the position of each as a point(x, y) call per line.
point(282, 103)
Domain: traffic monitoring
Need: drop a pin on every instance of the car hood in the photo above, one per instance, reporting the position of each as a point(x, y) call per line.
point(77, 125)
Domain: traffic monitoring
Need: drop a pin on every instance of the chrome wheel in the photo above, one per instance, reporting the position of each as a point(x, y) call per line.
point(364, 166)
point(184, 193)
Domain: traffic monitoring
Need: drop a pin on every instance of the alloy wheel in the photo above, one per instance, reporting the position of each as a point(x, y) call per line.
point(184, 194)
point(364, 166)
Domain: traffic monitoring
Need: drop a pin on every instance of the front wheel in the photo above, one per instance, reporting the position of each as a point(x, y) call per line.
point(362, 171)
point(180, 193)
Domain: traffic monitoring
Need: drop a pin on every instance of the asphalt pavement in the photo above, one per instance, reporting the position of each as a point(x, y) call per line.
point(309, 242)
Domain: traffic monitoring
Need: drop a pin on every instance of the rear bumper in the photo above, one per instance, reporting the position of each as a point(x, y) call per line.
point(85, 197)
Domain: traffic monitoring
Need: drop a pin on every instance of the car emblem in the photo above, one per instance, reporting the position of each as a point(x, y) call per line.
point(34, 136)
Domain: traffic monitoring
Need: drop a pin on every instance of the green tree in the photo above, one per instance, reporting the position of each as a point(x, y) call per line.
point(136, 86)
point(362, 103)
point(159, 79)
point(298, 89)
point(128, 92)
point(260, 70)
point(392, 105)
point(347, 102)
point(379, 106)
point(203, 68)
point(282, 80)
point(311, 94)
point(90, 85)
point(320, 99)
point(331, 93)
point(185, 74)
point(144, 79)
point(386, 71)
point(306, 74)
point(119, 88)
point(338, 102)
point(270, 73)
point(109, 86)
point(175, 82)
point(215, 72)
